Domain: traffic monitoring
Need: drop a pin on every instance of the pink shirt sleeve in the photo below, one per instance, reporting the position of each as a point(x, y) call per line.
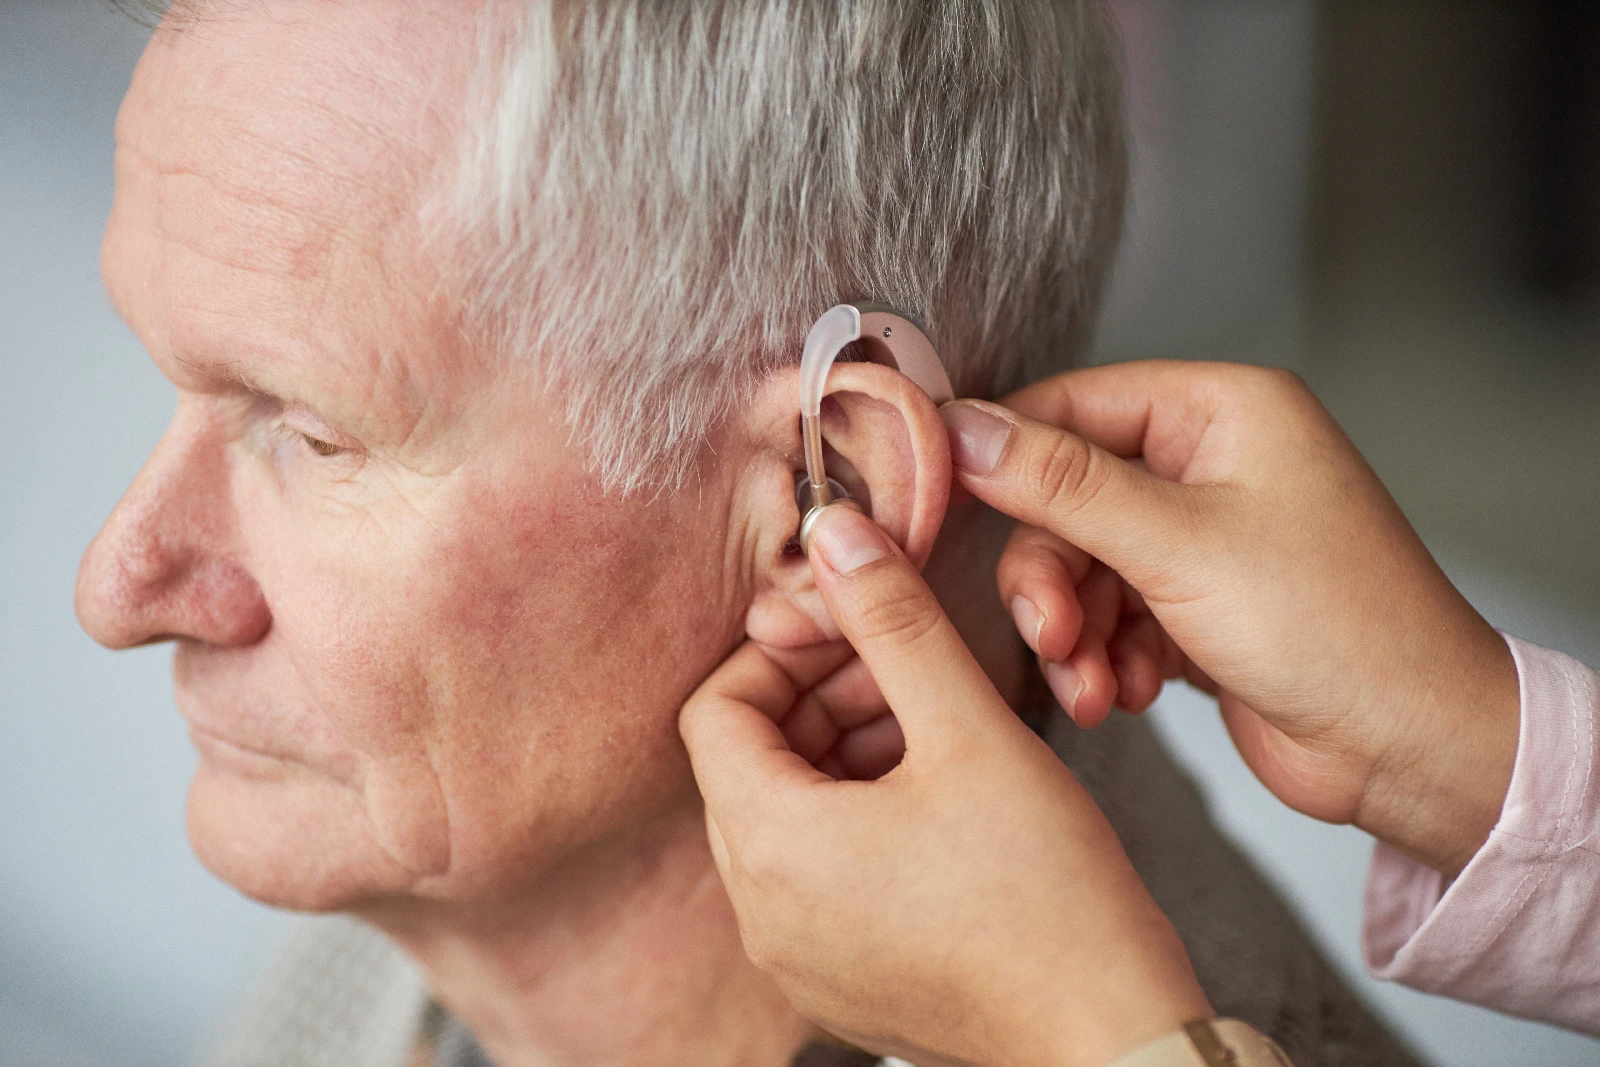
point(1519, 930)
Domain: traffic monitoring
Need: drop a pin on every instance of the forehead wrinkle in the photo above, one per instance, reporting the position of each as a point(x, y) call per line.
point(290, 129)
point(373, 382)
point(362, 93)
point(326, 298)
point(344, 359)
point(241, 233)
point(275, 213)
point(282, 162)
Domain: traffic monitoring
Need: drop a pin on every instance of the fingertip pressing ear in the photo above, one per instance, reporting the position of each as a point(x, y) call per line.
point(884, 441)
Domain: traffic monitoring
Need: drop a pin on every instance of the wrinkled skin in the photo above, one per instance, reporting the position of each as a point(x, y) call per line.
point(430, 660)
point(431, 669)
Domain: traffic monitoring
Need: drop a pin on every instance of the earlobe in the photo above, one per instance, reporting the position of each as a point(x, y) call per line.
point(884, 442)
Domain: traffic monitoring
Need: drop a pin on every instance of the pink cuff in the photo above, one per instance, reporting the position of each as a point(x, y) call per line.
point(1519, 930)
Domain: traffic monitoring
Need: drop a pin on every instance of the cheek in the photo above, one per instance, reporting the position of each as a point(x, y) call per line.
point(516, 663)
point(569, 638)
point(348, 650)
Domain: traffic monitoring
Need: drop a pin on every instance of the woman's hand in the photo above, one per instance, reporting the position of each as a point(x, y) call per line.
point(971, 905)
point(1253, 551)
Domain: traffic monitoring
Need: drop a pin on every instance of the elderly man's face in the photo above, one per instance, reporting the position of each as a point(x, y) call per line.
point(418, 649)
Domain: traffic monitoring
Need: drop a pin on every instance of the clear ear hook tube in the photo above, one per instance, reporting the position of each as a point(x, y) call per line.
point(826, 339)
point(886, 337)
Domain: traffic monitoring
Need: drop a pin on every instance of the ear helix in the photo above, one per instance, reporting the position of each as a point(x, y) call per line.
point(886, 337)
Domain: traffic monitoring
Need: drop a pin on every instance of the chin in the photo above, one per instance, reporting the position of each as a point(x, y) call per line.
point(290, 840)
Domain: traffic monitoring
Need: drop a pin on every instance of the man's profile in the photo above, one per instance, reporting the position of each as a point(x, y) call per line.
point(484, 320)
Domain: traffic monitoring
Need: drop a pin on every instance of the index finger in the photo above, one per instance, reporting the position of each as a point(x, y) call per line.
point(925, 671)
point(1138, 524)
point(1155, 410)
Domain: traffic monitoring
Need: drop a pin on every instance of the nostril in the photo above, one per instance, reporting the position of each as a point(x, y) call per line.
point(221, 604)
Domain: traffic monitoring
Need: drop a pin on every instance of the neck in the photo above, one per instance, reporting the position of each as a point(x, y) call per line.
point(628, 952)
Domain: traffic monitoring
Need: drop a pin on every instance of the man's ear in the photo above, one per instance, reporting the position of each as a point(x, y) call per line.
point(884, 442)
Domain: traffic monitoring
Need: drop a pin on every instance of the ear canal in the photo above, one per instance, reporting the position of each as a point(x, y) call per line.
point(802, 491)
point(809, 511)
point(799, 544)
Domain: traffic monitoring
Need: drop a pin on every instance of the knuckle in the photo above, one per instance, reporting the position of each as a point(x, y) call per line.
point(700, 722)
point(764, 862)
point(1282, 382)
point(1065, 474)
point(899, 617)
point(765, 956)
point(1235, 379)
point(691, 718)
point(1043, 549)
point(774, 947)
point(1039, 556)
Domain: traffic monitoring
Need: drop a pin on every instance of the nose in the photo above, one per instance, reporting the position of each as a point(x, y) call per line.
point(167, 563)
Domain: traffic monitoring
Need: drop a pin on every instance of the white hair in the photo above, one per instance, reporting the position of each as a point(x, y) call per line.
point(660, 198)
point(656, 199)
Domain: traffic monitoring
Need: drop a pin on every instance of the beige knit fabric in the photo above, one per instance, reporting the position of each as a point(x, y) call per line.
point(341, 996)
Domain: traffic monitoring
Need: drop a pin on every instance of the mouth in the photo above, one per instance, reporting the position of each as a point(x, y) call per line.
point(254, 718)
point(226, 754)
point(254, 737)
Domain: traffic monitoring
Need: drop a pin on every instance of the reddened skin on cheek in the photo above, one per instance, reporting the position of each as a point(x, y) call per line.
point(360, 649)
point(565, 630)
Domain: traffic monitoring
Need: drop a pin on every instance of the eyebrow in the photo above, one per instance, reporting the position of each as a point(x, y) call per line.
point(290, 389)
point(238, 372)
point(234, 371)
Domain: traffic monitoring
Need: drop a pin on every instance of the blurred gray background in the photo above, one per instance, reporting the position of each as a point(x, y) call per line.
point(1398, 200)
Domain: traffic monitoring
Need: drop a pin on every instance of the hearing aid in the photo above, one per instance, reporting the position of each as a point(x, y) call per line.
point(886, 337)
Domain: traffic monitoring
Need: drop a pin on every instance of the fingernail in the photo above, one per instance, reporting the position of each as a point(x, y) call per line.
point(848, 539)
point(977, 436)
point(1030, 623)
point(1067, 685)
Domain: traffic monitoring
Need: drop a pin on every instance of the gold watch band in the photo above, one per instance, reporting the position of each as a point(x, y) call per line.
point(1209, 1043)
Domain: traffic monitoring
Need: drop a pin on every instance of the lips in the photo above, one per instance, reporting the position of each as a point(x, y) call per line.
point(246, 762)
point(232, 722)
point(257, 719)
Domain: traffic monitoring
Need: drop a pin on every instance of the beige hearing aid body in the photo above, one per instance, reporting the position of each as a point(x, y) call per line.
point(886, 337)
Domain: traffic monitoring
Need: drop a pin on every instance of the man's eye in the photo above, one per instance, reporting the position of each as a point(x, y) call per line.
point(320, 447)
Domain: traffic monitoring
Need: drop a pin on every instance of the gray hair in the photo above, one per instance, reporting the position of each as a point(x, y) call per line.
point(655, 200)
point(659, 198)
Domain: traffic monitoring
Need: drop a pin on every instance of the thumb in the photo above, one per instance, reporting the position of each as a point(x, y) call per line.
point(1135, 523)
point(925, 672)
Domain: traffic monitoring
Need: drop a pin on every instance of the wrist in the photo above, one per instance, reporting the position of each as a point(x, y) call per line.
point(1209, 1043)
point(1116, 1035)
point(1137, 997)
point(1437, 790)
